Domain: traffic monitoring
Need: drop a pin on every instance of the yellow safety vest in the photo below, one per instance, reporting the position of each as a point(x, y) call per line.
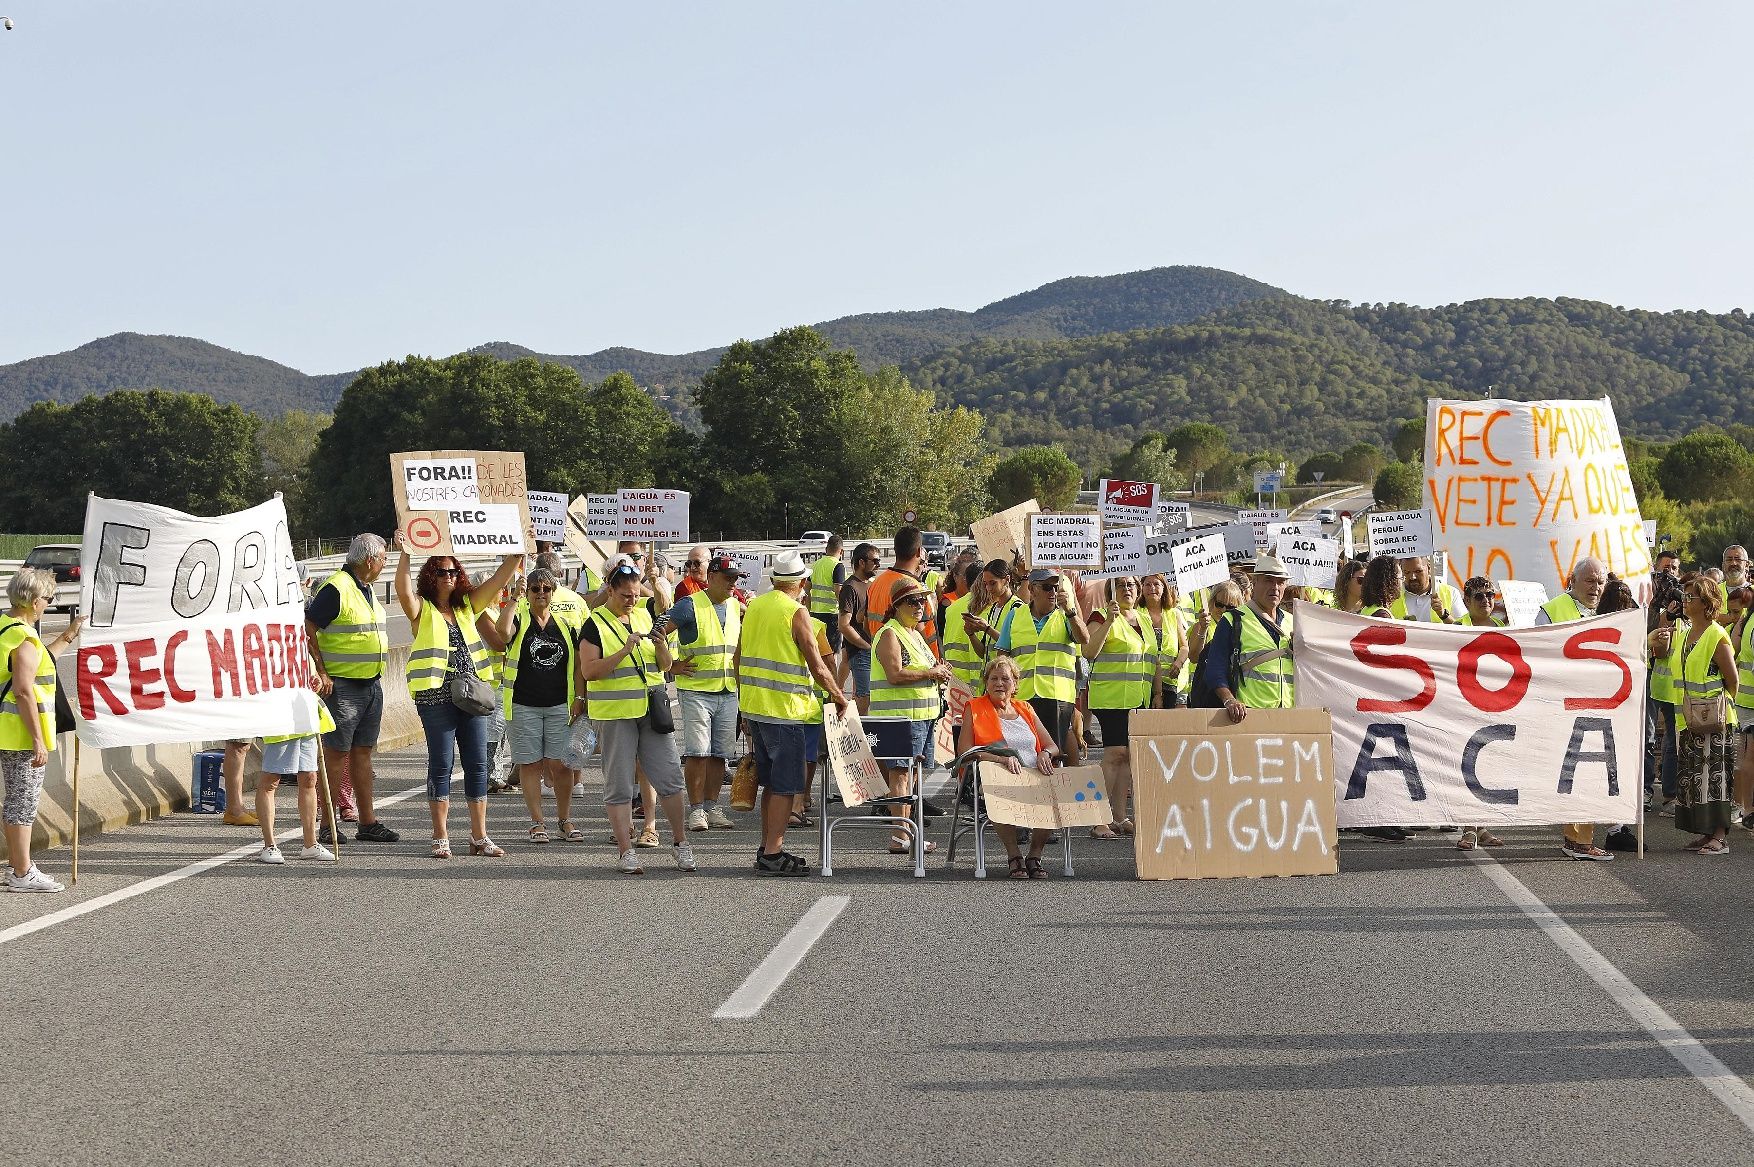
point(1664, 668)
point(1268, 678)
point(625, 693)
point(1492, 622)
point(325, 724)
point(430, 655)
point(1698, 681)
point(1047, 659)
point(514, 652)
point(14, 733)
point(1452, 603)
point(914, 701)
point(1562, 609)
point(357, 642)
point(1121, 674)
point(823, 600)
point(566, 605)
point(1745, 666)
point(713, 646)
point(773, 679)
point(959, 651)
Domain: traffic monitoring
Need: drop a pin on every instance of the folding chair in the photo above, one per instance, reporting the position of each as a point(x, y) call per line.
point(968, 786)
point(892, 743)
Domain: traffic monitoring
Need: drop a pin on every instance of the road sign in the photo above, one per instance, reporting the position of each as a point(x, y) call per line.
point(910, 516)
point(1345, 516)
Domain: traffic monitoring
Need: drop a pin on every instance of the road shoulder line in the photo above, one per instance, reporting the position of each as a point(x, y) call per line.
point(761, 984)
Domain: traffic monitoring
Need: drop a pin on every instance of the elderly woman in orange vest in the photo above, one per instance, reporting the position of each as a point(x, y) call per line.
point(997, 719)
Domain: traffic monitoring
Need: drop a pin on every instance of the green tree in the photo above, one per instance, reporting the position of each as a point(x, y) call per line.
point(1198, 445)
point(287, 442)
point(1399, 487)
point(1410, 440)
point(181, 450)
point(1151, 459)
point(1328, 466)
point(1714, 526)
point(1645, 481)
point(1043, 473)
point(1705, 466)
point(1672, 520)
point(1361, 462)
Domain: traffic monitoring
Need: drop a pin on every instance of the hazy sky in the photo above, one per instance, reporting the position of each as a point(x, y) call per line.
point(335, 184)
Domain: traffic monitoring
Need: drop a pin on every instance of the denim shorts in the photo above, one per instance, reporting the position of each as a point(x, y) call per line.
point(536, 734)
point(779, 754)
point(709, 724)
point(358, 708)
point(298, 756)
point(859, 665)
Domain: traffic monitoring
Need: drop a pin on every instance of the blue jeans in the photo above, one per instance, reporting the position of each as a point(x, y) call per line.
point(449, 729)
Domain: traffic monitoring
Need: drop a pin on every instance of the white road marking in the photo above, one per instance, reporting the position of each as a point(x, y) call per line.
point(1729, 1088)
point(752, 995)
point(108, 899)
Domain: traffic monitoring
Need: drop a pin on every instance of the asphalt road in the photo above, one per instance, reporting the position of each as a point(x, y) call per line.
point(542, 1009)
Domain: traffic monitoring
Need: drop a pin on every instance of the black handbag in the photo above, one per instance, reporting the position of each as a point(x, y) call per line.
point(469, 693)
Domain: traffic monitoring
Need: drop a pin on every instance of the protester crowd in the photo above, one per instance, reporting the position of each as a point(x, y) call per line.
point(519, 678)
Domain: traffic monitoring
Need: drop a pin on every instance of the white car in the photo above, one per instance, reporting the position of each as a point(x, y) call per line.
point(1327, 515)
point(814, 540)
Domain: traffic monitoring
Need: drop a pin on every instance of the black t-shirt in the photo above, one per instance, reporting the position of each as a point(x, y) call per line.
point(593, 632)
point(325, 606)
point(542, 666)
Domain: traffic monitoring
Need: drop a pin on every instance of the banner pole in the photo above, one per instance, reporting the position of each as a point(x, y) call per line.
point(328, 799)
point(76, 815)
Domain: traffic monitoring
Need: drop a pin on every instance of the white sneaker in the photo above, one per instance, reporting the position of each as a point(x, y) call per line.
point(684, 857)
point(317, 853)
point(578, 789)
point(718, 818)
point(32, 880)
point(270, 854)
point(697, 820)
point(629, 864)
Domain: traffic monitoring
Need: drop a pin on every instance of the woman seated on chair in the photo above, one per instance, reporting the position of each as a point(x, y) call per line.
point(998, 719)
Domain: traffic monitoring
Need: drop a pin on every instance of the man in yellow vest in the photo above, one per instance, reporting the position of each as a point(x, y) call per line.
point(1258, 635)
point(1589, 578)
point(1424, 600)
point(350, 643)
point(1045, 637)
point(777, 658)
point(826, 576)
point(706, 624)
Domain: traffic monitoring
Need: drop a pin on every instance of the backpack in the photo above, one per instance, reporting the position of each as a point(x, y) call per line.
point(1200, 694)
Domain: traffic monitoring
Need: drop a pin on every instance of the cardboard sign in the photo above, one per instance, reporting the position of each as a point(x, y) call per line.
point(1309, 561)
point(1200, 563)
point(653, 516)
point(461, 502)
point(1124, 503)
point(1123, 551)
point(1347, 547)
point(1173, 516)
point(1065, 541)
point(1524, 489)
point(1072, 797)
point(956, 696)
point(1522, 601)
point(196, 627)
point(1446, 725)
point(1005, 534)
point(851, 759)
point(1260, 521)
point(1398, 534)
point(548, 515)
point(603, 516)
point(1218, 799)
point(1300, 527)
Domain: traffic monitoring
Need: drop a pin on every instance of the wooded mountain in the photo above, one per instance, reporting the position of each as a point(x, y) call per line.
point(1079, 306)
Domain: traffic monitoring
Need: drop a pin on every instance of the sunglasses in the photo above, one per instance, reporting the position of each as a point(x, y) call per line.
point(919, 601)
point(624, 571)
point(695, 563)
point(451, 571)
point(1484, 596)
point(541, 589)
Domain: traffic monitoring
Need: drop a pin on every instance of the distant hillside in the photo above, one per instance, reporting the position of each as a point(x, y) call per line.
point(1080, 306)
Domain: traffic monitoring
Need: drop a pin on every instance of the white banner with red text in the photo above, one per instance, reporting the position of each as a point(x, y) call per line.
point(1443, 725)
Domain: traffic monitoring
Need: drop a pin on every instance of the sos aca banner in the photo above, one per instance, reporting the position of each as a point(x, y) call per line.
point(1524, 489)
point(195, 627)
point(1442, 725)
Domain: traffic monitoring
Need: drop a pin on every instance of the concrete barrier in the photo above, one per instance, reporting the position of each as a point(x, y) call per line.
point(133, 784)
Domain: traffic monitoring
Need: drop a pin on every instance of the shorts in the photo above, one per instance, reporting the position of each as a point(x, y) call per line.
point(1055, 717)
point(859, 665)
point(627, 740)
point(812, 744)
point(1114, 725)
point(536, 733)
point(290, 758)
point(358, 709)
point(779, 754)
point(921, 735)
point(24, 787)
point(709, 724)
point(832, 623)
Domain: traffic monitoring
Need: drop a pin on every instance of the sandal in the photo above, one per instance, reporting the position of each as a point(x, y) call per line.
point(1488, 839)
point(1017, 871)
point(898, 845)
point(571, 833)
point(486, 847)
point(1103, 833)
point(1034, 867)
point(647, 838)
point(441, 848)
point(800, 819)
point(538, 833)
point(1715, 847)
point(780, 863)
point(1124, 829)
point(1469, 838)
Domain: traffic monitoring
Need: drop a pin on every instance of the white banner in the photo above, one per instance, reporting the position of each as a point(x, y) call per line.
point(1123, 551)
point(1398, 534)
point(1522, 601)
point(1200, 563)
point(1525, 489)
point(195, 627)
point(548, 515)
point(1309, 561)
point(653, 516)
point(1442, 725)
point(1301, 527)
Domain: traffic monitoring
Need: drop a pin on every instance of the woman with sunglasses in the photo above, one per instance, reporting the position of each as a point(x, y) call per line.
point(442, 606)
point(904, 683)
point(537, 695)
point(1349, 586)
point(1477, 595)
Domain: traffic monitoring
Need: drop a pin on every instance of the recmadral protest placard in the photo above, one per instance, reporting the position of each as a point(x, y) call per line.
point(1398, 534)
point(461, 502)
point(1125, 503)
point(1221, 799)
point(1525, 489)
point(1066, 540)
point(548, 516)
point(851, 759)
point(196, 628)
point(1442, 725)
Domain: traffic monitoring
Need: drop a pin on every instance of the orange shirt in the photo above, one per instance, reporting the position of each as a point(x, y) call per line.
point(877, 606)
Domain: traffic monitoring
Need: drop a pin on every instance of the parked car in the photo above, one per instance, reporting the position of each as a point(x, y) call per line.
point(814, 541)
point(1327, 515)
point(63, 560)
point(937, 546)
